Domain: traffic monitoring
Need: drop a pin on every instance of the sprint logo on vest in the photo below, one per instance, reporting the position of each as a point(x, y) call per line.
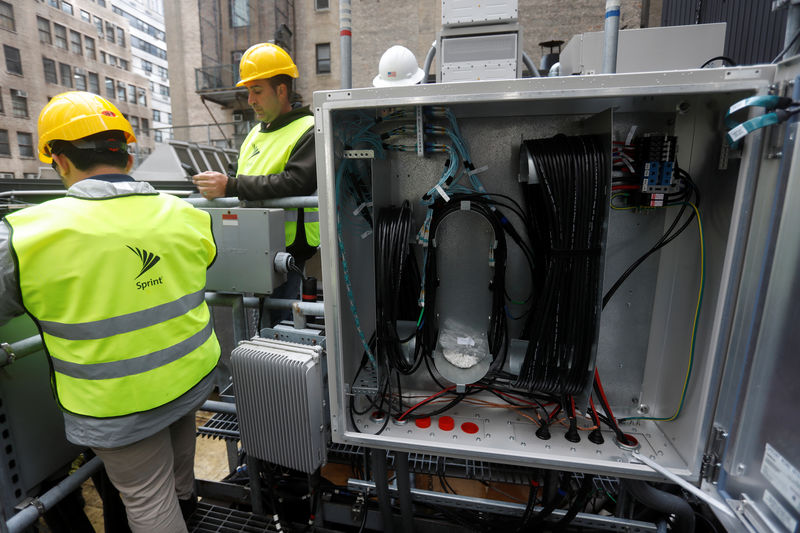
point(149, 260)
point(256, 151)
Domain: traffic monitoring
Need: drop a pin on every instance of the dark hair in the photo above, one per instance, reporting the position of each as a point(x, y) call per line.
point(282, 79)
point(86, 158)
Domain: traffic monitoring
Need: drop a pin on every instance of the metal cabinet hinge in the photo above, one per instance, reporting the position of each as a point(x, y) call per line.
point(712, 459)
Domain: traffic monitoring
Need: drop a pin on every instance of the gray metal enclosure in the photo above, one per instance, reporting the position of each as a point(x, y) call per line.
point(645, 335)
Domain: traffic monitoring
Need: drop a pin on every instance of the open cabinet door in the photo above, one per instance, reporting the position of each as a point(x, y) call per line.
point(753, 458)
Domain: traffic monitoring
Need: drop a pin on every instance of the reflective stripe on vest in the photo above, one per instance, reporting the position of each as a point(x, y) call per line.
point(264, 153)
point(116, 285)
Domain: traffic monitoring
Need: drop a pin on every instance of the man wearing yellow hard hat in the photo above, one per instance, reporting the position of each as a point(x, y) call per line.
point(114, 276)
point(277, 158)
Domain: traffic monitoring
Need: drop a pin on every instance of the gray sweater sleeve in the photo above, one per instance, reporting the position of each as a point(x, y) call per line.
point(299, 176)
point(10, 298)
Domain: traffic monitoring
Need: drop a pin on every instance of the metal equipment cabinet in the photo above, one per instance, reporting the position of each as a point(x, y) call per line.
point(738, 401)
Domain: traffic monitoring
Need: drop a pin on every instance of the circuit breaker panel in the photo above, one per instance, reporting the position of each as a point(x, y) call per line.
point(533, 271)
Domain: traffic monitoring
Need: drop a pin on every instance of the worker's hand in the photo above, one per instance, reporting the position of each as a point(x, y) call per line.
point(210, 184)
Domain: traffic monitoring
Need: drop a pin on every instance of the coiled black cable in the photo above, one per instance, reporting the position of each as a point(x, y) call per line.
point(568, 210)
point(395, 267)
point(497, 335)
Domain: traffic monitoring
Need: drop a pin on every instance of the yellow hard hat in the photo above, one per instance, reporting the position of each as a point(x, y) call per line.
point(265, 60)
point(77, 114)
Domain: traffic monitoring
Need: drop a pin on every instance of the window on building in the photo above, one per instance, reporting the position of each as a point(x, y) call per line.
point(123, 63)
point(5, 147)
point(169, 118)
point(321, 5)
point(61, 35)
point(86, 16)
point(7, 175)
point(44, 30)
point(110, 32)
point(157, 136)
point(164, 73)
point(13, 60)
point(7, 16)
point(240, 13)
point(94, 83)
point(25, 143)
point(88, 44)
point(50, 75)
point(30, 175)
point(131, 94)
point(66, 7)
point(109, 88)
point(323, 58)
point(19, 103)
point(101, 3)
point(148, 47)
point(147, 66)
point(120, 91)
point(80, 80)
point(75, 42)
point(120, 36)
point(98, 22)
point(145, 126)
point(66, 74)
point(2, 110)
point(53, 3)
point(164, 90)
point(141, 96)
point(156, 115)
point(134, 123)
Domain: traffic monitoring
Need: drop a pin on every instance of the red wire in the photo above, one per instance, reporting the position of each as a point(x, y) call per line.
point(603, 397)
point(426, 400)
point(514, 397)
point(625, 187)
point(594, 411)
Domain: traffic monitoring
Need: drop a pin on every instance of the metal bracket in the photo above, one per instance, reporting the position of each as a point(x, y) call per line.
point(712, 461)
point(357, 511)
point(35, 502)
point(420, 132)
point(10, 356)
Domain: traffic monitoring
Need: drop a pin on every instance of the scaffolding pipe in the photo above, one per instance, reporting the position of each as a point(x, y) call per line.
point(17, 350)
point(213, 406)
point(379, 472)
point(345, 38)
point(30, 514)
point(611, 37)
point(289, 201)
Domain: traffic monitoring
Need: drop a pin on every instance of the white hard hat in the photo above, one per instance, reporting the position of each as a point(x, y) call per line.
point(398, 67)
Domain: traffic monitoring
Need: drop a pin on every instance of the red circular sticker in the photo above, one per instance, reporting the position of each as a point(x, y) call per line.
point(107, 113)
point(446, 423)
point(423, 422)
point(469, 427)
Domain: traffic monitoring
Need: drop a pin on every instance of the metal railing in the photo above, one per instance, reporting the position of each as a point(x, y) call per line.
point(218, 77)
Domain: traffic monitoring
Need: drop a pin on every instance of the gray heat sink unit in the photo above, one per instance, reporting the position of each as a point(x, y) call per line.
point(280, 397)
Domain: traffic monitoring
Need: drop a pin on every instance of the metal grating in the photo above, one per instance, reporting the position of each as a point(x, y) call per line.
point(420, 463)
point(220, 426)
point(211, 518)
point(279, 392)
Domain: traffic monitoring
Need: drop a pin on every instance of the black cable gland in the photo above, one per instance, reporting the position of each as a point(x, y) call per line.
point(543, 432)
point(572, 433)
point(469, 165)
point(596, 436)
point(447, 163)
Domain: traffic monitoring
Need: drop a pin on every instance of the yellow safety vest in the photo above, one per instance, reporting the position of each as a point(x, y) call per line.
point(267, 152)
point(116, 286)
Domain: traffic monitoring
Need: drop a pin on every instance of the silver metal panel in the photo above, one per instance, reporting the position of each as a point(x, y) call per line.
point(762, 461)
point(480, 57)
point(494, 117)
point(646, 49)
point(32, 442)
point(465, 12)
point(280, 403)
point(247, 241)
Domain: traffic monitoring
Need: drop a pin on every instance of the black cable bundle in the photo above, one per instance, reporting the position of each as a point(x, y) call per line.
point(568, 206)
point(395, 268)
point(498, 326)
